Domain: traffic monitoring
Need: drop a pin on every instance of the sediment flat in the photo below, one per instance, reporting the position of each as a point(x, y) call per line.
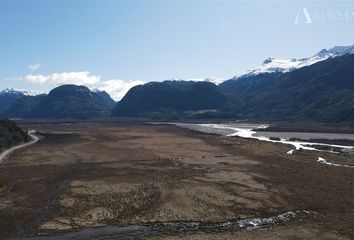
point(88, 175)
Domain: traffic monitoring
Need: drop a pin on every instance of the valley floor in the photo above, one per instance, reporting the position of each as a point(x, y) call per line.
point(87, 175)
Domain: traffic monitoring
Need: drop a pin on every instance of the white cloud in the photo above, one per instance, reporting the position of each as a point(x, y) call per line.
point(13, 78)
point(34, 67)
point(78, 78)
point(118, 88)
point(36, 78)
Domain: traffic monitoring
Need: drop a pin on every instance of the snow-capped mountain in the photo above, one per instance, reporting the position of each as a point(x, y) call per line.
point(9, 96)
point(16, 92)
point(278, 65)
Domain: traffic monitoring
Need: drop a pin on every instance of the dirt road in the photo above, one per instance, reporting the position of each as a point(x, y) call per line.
point(7, 152)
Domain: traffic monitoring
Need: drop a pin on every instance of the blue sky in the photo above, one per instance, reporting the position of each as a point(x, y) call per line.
point(115, 44)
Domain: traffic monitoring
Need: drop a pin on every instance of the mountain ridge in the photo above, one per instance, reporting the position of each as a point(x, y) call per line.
point(71, 101)
point(63, 102)
point(285, 65)
point(320, 92)
point(170, 99)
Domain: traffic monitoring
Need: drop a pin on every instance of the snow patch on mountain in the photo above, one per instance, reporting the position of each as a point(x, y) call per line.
point(271, 65)
point(18, 92)
point(214, 80)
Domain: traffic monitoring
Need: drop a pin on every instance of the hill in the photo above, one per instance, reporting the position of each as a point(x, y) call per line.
point(71, 102)
point(11, 134)
point(23, 106)
point(8, 97)
point(170, 99)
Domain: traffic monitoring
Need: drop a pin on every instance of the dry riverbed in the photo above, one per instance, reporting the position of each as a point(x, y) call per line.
point(81, 176)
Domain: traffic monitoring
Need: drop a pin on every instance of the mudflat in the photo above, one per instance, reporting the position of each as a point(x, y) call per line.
point(87, 175)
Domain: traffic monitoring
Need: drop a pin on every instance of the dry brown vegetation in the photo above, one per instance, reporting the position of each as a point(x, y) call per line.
point(87, 175)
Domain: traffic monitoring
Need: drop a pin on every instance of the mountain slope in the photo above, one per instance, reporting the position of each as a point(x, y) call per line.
point(170, 99)
point(23, 106)
point(71, 101)
point(323, 92)
point(8, 97)
point(106, 98)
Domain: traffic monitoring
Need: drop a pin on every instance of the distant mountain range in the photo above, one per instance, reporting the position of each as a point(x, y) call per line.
point(9, 96)
point(23, 106)
point(64, 102)
point(318, 88)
